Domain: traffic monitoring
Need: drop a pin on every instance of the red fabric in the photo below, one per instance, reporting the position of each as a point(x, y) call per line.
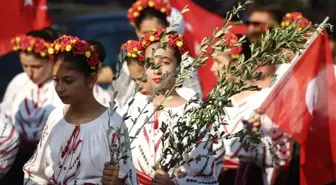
point(199, 24)
point(19, 17)
point(143, 179)
point(307, 111)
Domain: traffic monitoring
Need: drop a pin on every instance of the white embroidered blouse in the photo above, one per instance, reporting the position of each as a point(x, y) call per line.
point(69, 154)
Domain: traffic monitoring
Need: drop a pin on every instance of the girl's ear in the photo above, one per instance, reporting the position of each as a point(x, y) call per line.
point(92, 80)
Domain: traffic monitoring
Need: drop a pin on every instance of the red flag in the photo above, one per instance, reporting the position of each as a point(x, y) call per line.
point(200, 23)
point(304, 105)
point(19, 17)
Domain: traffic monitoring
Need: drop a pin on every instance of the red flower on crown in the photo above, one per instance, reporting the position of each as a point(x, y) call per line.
point(173, 40)
point(234, 49)
point(76, 47)
point(295, 19)
point(136, 8)
point(133, 50)
point(29, 43)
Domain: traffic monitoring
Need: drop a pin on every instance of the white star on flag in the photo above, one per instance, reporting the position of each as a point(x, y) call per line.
point(28, 2)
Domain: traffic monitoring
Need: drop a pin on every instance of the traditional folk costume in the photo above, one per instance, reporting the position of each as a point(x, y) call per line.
point(276, 146)
point(147, 145)
point(147, 148)
point(9, 144)
point(70, 154)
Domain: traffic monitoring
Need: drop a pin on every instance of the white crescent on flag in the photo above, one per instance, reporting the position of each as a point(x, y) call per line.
point(311, 95)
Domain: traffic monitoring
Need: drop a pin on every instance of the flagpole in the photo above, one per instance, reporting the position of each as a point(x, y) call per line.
point(298, 56)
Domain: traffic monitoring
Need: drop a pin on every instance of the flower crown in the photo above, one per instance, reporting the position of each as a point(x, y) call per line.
point(133, 49)
point(230, 42)
point(295, 19)
point(173, 40)
point(135, 11)
point(31, 44)
point(76, 47)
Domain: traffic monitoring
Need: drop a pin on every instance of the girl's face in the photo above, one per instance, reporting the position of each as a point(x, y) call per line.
point(71, 85)
point(38, 69)
point(147, 25)
point(136, 72)
point(164, 62)
point(219, 62)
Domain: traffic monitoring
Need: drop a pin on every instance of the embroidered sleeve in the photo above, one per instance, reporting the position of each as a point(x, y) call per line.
point(7, 100)
point(120, 140)
point(274, 151)
point(277, 147)
point(34, 169)
point(9, 142)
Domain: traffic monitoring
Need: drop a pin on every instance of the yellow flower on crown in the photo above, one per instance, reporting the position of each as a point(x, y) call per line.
point(151, 38)
point(140, 8)
point(17, 39)
point(43, 54)
point(57, 47)
point(130, 10)
point(134, 55)
point(163, 10)
point(151, 3)
point(135, 14)
point(87, 54)
point(135, 49)
point(51, 51)
point(30, 49)
point(129, 54)
point(179, 43)
point(288, 15)
point(68, 48)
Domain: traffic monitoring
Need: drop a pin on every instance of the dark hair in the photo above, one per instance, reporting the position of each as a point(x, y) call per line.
point(43, 34)
point(150, 13)
point(53, 32)
point(99, 48)
point(246, 47)
point(79, 62)
point(274, 10)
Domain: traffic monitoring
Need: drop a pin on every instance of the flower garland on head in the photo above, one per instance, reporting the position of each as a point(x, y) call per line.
point(232, 48)
point(173, 40)
point(77, 47)
point(135, 11)
point(133, 50)
point(295, 19)
point(31, 44)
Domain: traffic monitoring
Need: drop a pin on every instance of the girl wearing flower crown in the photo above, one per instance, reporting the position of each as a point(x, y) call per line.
point(75, 143)
point(245, 104)
point(146, 15)
point(29, 97)
point(147, 145)
point(9, 145)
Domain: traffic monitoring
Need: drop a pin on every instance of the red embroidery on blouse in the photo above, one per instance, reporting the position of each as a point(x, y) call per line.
point(146, 135)
point(156, 120)
point(26, 106)
point(74, 135)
